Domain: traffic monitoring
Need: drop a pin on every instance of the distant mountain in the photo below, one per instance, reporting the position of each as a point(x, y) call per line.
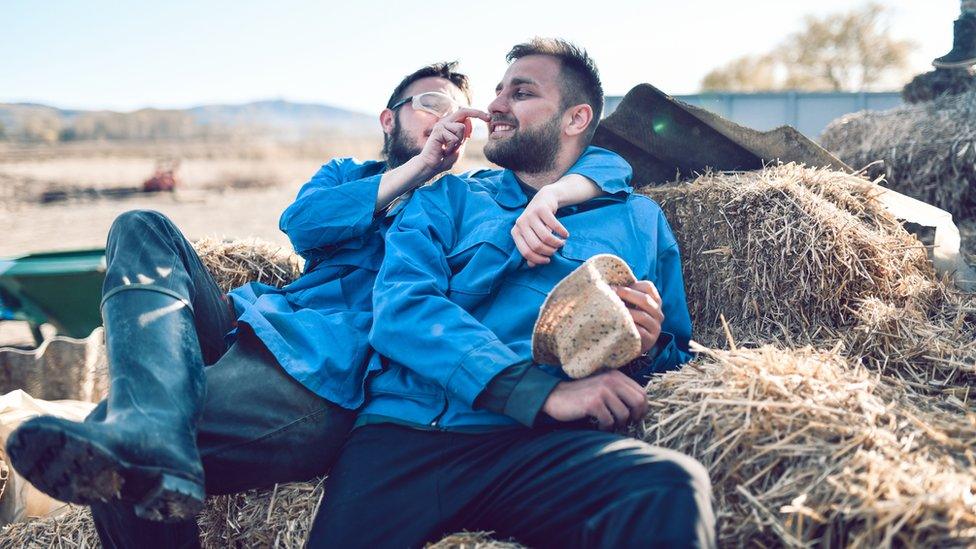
point(277, 119)
point(296, 119)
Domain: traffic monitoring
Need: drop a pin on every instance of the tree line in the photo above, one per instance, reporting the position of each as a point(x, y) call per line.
point(851, 51)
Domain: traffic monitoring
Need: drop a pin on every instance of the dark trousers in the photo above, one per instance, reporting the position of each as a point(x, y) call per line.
point(393, 486)
point(258, 427)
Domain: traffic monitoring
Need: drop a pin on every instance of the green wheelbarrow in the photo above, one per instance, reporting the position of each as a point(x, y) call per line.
point(60, 288)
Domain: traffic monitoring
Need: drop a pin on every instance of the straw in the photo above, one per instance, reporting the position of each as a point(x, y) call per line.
point(808, 256)
point(236, 262)
point(928, 150)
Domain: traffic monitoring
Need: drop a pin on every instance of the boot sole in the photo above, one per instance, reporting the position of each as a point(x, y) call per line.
point(77, 470)
point(955, 64)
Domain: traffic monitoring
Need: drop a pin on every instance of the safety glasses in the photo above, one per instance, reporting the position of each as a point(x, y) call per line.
point(436, 103)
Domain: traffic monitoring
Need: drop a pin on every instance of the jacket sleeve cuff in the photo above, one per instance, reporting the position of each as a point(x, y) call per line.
point(608, 185)
point(519, 392)
point(606, 169)
point(529, 395)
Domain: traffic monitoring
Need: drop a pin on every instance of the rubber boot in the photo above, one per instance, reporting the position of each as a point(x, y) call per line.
point(963, 52)
point(143, 450)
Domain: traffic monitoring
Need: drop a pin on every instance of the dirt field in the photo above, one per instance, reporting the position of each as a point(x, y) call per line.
point(225, 191)
point(232, 190)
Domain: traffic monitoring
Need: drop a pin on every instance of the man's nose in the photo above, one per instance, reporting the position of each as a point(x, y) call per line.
point(498, 105)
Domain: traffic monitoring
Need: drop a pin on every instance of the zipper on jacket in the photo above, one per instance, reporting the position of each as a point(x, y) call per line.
point(436, 422)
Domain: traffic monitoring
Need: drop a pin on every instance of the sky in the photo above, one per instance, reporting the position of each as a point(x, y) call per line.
point(96, 54)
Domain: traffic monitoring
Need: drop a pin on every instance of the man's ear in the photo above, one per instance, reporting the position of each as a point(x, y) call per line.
point(386, 121)
point(579, 118)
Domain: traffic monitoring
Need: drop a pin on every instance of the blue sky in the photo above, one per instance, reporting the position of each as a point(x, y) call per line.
point(126, 55)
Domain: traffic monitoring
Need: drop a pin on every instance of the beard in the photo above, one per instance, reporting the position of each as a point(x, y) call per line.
point(397, 147)
point(528, 151)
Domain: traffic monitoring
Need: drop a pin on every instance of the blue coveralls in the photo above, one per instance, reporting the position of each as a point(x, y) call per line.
point(317, 326)
point(454, 307)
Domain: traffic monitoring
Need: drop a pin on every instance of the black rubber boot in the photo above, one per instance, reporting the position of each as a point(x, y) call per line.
point(963, 52)
point(143, 450)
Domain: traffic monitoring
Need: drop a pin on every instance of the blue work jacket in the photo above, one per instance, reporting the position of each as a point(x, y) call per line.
point(317, 327)
point(455, 303)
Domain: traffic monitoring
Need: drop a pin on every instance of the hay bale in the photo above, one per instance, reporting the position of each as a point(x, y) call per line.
point(807, 448)
point(967, 232)
point(473, 540)
point(279, 517)
point(802, 256)
point(940, 82)
point(72, 528)
point(928, 150)
point(282, 517)
point(236, 262)
point(62, 368)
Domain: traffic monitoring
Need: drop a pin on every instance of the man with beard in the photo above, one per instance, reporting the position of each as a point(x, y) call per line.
point(461, 430)
point(286, 367)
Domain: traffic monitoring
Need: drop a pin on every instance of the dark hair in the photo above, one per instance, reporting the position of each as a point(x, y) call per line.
point(580, 78)
point(442, 70)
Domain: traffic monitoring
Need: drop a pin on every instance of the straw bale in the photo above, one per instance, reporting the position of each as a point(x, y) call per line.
point(473, 540)
point(805, 447)
point(928, 150)
point(62, 368)
point(279, 517)
point(967, 232)
point(236, 262)
point(71, 528)
point(800, 256)
point(937, 83)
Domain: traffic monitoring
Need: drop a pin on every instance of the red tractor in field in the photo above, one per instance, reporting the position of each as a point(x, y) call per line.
point(164, 179)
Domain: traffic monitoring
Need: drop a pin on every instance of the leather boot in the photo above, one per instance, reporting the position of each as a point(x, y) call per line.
point(143, 449)
point(963, 52)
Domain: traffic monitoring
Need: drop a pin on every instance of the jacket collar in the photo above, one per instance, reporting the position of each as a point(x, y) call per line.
point(509, 193)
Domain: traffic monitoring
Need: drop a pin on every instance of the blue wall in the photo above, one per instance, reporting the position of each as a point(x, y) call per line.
point(809, 112)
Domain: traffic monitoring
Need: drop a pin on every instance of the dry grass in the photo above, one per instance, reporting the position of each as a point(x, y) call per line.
point(967, 231)
point(71, 529)
point(235, 188)
point(938, 83)
point(804, 447)
point(829, 448)
point(279, 517)
point(801, 256)
point(235, 262)
point(473, 540)
point(807, 448)
point(928, 150)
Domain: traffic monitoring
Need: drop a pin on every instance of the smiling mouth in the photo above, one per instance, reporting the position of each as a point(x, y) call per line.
point(499, 129)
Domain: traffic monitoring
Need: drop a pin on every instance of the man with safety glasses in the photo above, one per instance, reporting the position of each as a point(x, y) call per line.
point(213, 393)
